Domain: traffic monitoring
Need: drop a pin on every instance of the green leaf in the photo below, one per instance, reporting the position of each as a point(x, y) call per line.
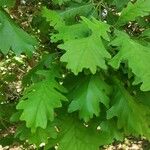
point(137, 57)
point(63, 22)
point(46, 62)
point(53, 17)
point(143, 97)
point(40, 136)
point(146, 33)
point(132, 11)
point(110, 127)
point(40, 100)
point(14, 38)
point(88, 52)
point(143, 22)
point(125, 108)
point(118, 3)
point(71, 32)
point(8, 3)
point(100, 109)
point(68, 16)
point(71, 14)
point(74, 135)
point(7, 140)
point(93, 91)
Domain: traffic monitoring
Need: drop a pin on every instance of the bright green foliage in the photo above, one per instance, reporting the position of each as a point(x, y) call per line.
point(14, 38)
point(64, 21)
point(39, 101)
point(136, 55)
point(87, 98)
point(78, 51)
point(132, 11)
point(70, 32)
point(88, 83)
point(125, 108)
point(53, 17)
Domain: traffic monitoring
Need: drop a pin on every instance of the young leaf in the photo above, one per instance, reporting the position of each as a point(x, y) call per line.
point(87, 98)
point(132, 11)
point(88, 52)
point(13, 37)
point(71, 32)
point(68, 30)
point(137, 56)
point(40, 100)
point(125, 108)
point(53, 17)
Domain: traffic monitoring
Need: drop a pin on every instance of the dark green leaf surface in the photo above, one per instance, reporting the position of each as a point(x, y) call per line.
point(75, 135)
point(86, 99)
point(38, 137)
point(14, 38)
point(125, 108)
